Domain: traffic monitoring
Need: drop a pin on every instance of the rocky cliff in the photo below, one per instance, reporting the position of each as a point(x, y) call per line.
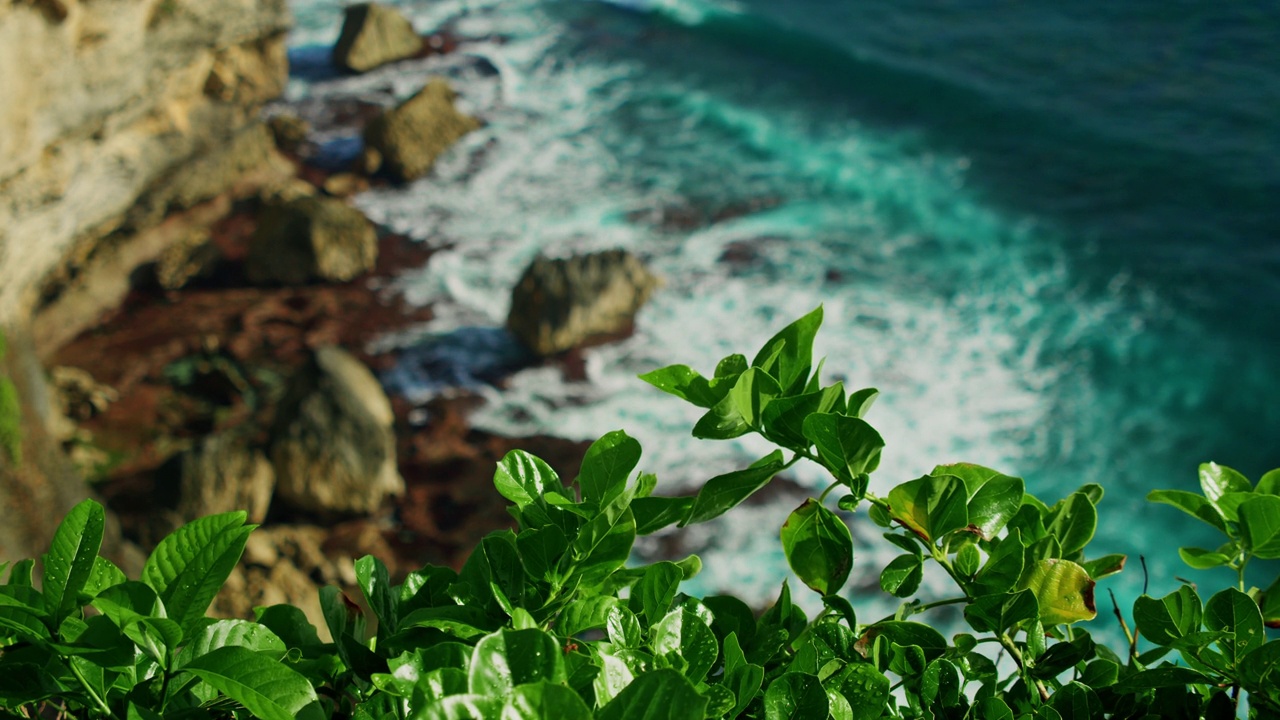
point(122, 123)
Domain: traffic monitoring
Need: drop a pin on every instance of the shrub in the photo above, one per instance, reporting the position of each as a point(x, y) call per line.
point(548, 621)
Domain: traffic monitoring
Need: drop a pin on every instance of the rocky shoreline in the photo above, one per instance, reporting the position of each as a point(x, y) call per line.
point(176, 347)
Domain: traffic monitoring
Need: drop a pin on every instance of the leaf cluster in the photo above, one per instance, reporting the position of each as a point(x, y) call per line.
point(549, 621)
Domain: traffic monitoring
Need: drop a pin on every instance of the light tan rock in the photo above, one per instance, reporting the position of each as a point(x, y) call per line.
point(194, 256)
point(311, 238)
point(410, 137)
point(559, 304)
point(374, 35)
point(332, 444)
point(224, 473)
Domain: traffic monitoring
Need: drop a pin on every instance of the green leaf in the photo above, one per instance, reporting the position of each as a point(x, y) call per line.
point(784, 417)
point(226, 633)
point(459, 621)
point(795, 696)
point(1073, 522)
point(1192, 504)
point(267, 688)
point(1161, 677)
point(994, 503)
point(860, 402)
point(604, 547)
point(652, 595)
point(541, 550)
point(848, 446)
point(523, 478)
point(866, 689)
point(788, 355)
point(723, 421)
point(683, 635)
point(1269, 605)
point(1104, 566)
point(655, 513)
point(1217, 480)
point(624, 628)
point(1269, 484)
point(724, 492)
point(997, 613)
point(907, 634)
point(544, 701)
point(607, 465)
point(1075, 701)
point(1003, 567)
point(1063, 590)
point(70, 561)
point(1261, 667)
point(818, 546)
point(375, 583)
point(992, 708)
point(683, 382)
point(752, 394)
point(289, 624)
point(973, 476)
point(658, 695)
point(104, 575)
point(157, 637)
point(589, 613)
point(508, 658)
point(1170, 618)
point(1202, 559)
point(1260, 525)
point(743, 678)
point(968, 560)
point(1234, 612)
point(466, 706)
point(901, 577)
point(930, 506)
point(188, 568)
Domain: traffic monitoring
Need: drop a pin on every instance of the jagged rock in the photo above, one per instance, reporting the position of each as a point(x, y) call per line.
point(191, 257)
point(289, 131)
point(411, 137)
point(374, 35)
point(559, 304)
point(332, 445)
point(223, 474)
point(311, 238)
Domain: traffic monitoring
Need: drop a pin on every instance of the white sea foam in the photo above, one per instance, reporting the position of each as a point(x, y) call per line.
point(952, 308)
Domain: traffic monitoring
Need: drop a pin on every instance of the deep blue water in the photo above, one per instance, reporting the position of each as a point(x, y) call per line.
point(1047, 232)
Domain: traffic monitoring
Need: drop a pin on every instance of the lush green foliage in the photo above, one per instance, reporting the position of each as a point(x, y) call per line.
point(548, 621)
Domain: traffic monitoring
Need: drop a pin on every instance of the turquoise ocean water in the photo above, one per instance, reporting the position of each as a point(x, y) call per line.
point(1046, 232)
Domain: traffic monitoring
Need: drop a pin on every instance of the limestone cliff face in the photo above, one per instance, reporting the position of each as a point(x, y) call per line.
point(104, 103)
point(117, 119)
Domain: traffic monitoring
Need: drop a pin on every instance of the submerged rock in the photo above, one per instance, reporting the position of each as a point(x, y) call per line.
point(559, 304)
point(311, 238)
point(409, 138)
point(374, 35)
point(225, 473)
point(333, 444)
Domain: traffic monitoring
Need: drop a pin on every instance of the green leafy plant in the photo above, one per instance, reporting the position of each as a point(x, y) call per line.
point(549, 621)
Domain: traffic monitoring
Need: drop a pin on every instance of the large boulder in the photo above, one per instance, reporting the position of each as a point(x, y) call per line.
point(333, 445)
point(222, 474)
point(410, 137)
point(559, 304)
point(311, 238)
point(374, 35)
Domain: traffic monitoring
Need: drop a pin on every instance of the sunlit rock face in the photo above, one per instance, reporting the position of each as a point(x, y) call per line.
point(106, 104)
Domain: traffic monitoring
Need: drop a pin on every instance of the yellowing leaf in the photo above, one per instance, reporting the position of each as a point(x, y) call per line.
point(1064, 591)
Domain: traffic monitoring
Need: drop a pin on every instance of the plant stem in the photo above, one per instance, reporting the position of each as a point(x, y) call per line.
point(1244, 562)
point(1016, 654)
point(102, 705)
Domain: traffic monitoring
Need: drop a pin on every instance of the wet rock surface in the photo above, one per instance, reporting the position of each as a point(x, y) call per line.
point(561, 304)
point(332, 444)
point(410, 137)
point(374, 35)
